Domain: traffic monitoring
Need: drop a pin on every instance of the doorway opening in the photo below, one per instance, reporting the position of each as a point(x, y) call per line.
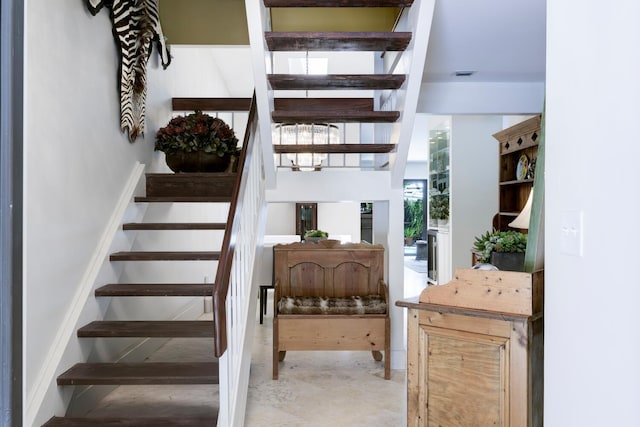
point(415, 208)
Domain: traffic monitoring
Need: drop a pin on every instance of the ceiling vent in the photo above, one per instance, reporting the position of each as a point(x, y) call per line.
point(463, 73)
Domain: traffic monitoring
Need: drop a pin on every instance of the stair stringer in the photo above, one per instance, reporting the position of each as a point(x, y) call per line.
point(417, 19)
point(258, 22)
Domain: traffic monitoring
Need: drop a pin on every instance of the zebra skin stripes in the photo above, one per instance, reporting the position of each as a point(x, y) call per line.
point(136, 25)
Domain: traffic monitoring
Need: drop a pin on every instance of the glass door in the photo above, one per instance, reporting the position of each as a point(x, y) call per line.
point(415, 218)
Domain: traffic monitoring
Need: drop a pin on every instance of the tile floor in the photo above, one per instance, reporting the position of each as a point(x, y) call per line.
point(337, 389)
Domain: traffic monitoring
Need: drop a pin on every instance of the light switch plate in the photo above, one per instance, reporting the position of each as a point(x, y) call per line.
point(571, 240)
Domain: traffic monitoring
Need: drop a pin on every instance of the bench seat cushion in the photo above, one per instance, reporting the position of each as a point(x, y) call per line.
point(368, 304)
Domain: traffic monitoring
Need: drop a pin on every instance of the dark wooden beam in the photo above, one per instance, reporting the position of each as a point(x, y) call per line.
point(216, 184)
point(338, 3)
point(165, 256)
point(339, 41)
point(322, 104)
point(333, 116)
point(335, 81)
point(154, 226)
point(140, 373)
point(333, 148)
point(211, 104)
point(181, 421)
point(154, 290)
point(148, 328)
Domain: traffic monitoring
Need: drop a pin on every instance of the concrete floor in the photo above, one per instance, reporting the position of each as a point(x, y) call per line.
point(337, 389)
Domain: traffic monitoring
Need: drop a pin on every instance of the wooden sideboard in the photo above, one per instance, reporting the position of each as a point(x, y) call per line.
point(475, 351)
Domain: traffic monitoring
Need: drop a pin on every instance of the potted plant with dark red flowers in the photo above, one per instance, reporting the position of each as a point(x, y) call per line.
point(197, 142)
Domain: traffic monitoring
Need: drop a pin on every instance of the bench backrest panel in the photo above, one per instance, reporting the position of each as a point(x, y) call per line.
point(328, 269)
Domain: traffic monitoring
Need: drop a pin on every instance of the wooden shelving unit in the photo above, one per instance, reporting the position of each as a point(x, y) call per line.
point(514, 187)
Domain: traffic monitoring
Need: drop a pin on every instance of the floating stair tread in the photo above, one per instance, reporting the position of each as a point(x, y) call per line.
point(339, 41)
point(211, 104)
point(165, 256)
point(335, 81)
point(154, 289)
point(333, 148)
point(288, 116)
point(130, 422)
point(148, 329)
point(148, 373)
point(323, 104)
point(177, 185)
point(178, 199)
point(338, 3)
point(174, 226)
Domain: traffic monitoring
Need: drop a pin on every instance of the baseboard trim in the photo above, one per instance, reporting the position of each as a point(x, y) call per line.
point(398, 359)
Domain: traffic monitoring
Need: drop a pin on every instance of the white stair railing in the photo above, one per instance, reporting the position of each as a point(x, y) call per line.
point(235, 297)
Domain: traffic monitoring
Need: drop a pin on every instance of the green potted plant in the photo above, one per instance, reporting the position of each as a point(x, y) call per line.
point(504, 249)
point(315, 235)
point(413, 221)
point(197, 142)
point(439, 208)
point(409, 235)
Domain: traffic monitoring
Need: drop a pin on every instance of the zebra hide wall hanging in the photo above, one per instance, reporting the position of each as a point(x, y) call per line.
point(136, 24)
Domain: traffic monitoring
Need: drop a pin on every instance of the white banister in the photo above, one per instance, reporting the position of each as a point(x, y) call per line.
point(240, 304)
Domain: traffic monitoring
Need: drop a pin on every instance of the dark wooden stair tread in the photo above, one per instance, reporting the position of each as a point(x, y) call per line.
point(148, 373)
point(333, 148)
point(335, 81)
point(338, 3)
point(179, 199)
point(324, 104)
point(213, 186)
point(147, 329)
point(154, 289)
point(165, 256)
point(174, 226)
point(129, 422)
point(333, 116)
point(337, 41)
point(211, 104)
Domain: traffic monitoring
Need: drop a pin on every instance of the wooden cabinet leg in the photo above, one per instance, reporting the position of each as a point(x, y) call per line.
point(377, 355)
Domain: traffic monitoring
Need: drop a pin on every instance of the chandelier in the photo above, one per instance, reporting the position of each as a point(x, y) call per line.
point(305, 134)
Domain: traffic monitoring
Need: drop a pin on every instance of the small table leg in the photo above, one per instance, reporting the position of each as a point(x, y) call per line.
point(263, 300)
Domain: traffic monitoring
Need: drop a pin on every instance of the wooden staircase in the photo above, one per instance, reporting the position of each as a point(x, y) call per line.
point(334, 110)
point(171, 188)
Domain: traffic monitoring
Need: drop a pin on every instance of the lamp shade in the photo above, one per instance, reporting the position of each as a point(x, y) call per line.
point(522, 220)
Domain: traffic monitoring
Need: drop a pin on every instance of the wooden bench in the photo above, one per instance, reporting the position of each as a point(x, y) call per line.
point(330, 296)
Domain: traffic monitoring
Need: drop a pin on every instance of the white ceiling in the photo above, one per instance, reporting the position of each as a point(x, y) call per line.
point(502, 40)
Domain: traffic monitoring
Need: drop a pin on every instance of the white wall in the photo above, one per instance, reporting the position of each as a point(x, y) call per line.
point(76, 164)
point(335, 218)
point(474, 182)
point(592, 344)
point(281, 219)
point(481, 98)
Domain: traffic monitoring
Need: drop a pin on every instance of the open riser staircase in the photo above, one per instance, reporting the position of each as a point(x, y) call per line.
point(388, 108)
point(153, 374)
point(383, 115)
point(226, 332)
